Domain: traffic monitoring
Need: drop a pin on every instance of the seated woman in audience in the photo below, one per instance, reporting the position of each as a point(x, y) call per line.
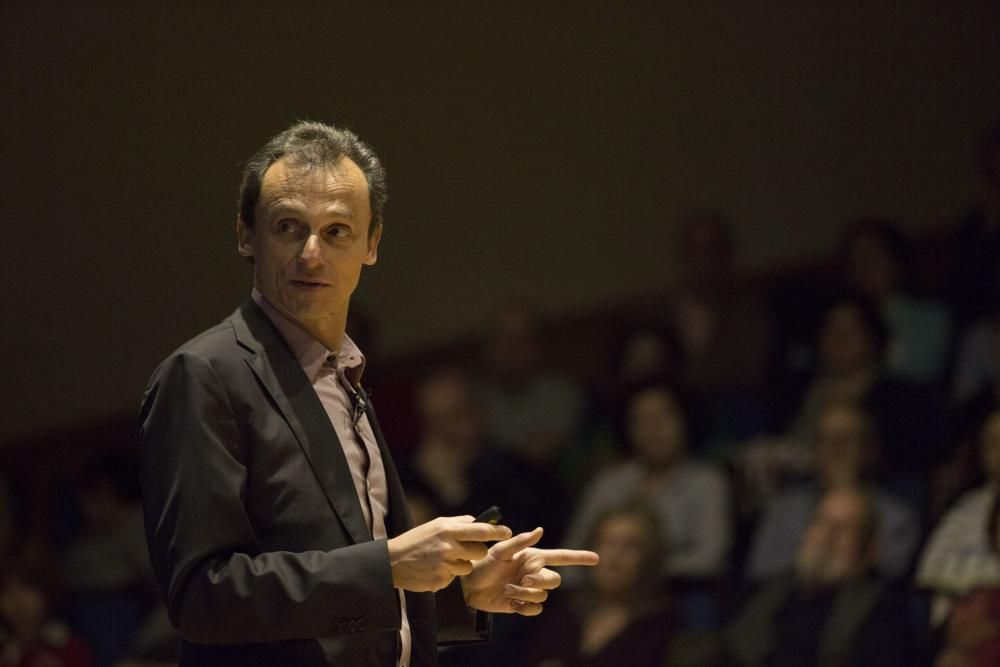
point(971, 635)
point(640, 351)
point(874, 254)
point(690, 498)
point(620, 617)
point(959, 556)
point(851, 352)
point(30, 636)
point(846, 450)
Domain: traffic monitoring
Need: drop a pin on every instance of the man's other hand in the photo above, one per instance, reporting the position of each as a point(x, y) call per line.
point(428, 557)
point(515, 578)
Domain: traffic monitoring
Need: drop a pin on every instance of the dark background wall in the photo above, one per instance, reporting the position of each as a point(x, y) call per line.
point(540, 149)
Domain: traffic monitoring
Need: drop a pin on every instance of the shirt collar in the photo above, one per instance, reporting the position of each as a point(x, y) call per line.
point(310, 353)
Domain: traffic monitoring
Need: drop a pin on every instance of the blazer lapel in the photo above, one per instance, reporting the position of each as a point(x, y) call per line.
point(283, 378)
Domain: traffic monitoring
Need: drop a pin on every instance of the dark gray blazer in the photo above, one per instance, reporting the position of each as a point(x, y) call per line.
point(255, 531)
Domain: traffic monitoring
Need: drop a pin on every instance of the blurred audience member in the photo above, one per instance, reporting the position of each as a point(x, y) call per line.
point(455, 470)
point(691, 498)
point(972, 632)
point(833, 610)
point(30, 635)
point(909, 419)
point(959, 556)
point(646, 350)
point(621, 616)
point(530, 411)
point(846, 451)
point(641, 351)
point(725, 332)
point(113, 601)
point(977, 361)
point(918, 329)
point(975, 284)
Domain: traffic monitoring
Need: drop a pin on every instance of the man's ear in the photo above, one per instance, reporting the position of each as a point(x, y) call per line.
point(243, 236)
point(373, 240)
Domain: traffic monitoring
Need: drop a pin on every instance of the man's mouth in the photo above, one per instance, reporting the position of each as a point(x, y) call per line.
point(306, 284)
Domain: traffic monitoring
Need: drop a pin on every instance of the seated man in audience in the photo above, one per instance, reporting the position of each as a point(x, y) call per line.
point(833, 610)
point(846, 450)
point(456, 470)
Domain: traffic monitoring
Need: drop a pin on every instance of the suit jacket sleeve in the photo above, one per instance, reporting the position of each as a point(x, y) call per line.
point(219, 586)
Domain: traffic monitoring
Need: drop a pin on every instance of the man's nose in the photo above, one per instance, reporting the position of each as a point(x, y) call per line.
point(311, 255)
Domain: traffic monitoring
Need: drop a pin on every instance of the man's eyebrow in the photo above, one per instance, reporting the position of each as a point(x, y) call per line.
point(282, 204)
point(340, 211)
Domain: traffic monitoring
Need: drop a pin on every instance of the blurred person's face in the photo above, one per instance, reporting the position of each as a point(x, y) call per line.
point(845, 344)
point(831, 551)
point(990, 446)
point(23, 606)
point(646, 355)
point(841, 446)
point(656, 427)
point(872, 267)
point(515, 347)
point(707, 257)
point(624, 546)
point(449, 414)
point(310, 240)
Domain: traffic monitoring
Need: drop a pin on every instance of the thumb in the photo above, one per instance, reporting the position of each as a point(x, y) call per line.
point(505, 550)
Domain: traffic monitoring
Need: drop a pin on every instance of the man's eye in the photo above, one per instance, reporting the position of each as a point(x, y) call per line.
point(287, 226)
point(338, 231)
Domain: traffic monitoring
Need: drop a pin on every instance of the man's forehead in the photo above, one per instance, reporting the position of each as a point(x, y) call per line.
point(287, 179)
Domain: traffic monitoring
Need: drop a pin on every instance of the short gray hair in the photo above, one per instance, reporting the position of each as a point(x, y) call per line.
point(310, 144)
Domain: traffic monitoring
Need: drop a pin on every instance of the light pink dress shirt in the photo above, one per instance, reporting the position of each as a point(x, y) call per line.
point(334, 377)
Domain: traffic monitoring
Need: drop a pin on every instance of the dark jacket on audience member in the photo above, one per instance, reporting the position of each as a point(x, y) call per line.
point(863, 622)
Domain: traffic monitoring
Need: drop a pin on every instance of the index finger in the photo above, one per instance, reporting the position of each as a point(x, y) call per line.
point(567, 557)
point(480, 532)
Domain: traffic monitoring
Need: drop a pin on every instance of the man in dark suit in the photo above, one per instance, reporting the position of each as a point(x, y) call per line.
point(275, 518)
point(833, 609)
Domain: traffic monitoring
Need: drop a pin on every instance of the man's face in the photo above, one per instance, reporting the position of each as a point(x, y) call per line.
point(841, 444)
point(310, 239)
point(832, 551)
